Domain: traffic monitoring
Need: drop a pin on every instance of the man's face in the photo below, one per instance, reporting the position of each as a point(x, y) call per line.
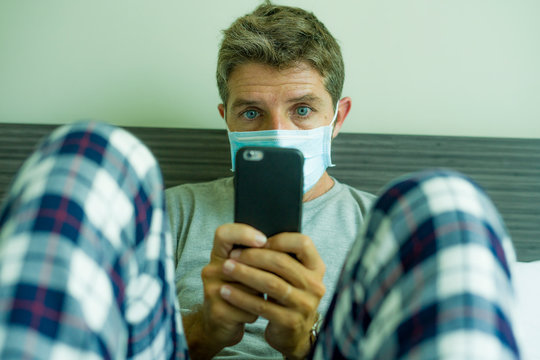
point(262, 97)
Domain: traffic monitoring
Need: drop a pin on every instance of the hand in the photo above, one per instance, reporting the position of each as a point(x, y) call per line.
point(294, 288)
point(217, 324)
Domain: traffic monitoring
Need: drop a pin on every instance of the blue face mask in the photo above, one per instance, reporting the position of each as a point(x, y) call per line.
point(314, 144)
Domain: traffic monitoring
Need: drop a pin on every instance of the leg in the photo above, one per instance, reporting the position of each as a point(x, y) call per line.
point(430, 279)
point(86, 265)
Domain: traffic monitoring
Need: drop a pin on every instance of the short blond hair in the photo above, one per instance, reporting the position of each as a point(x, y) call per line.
point(283, 37)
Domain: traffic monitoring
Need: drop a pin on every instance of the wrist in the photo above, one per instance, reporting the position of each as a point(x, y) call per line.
point(200, 342)
point(303, 352)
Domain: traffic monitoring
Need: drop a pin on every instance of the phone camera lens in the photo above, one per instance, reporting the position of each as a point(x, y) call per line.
point(253, 155)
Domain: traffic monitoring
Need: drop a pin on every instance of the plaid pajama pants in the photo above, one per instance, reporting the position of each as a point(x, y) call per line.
point(430, 278)
point(86, 267)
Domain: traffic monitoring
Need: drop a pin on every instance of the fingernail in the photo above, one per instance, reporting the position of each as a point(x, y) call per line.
point(225, 291)
point(260, 239)
point(235, 254)
point(228, 266)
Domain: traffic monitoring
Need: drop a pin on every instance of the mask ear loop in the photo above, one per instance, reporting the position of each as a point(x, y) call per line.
point(335, 113)
point(333, 123)
point(332, 127)
point(225, 117)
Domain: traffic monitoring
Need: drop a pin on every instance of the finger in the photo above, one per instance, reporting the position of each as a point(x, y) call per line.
point(245, 289)
point(227, 312)
point(301, 246)
point(219, 309)
point(269, 310)
point(213, 277)
point(279, 263)
point(228, 235)
point(268, 283)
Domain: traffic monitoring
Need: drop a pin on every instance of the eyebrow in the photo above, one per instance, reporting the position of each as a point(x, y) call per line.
point(242, 102)
point(309, 98)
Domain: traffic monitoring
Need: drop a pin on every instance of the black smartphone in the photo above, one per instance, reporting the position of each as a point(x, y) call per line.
point(269, 189)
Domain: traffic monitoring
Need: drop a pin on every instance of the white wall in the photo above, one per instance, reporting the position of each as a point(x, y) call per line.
point(445, 67)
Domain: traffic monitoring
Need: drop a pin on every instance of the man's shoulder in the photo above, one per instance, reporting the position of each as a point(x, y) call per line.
point(357, 193)
point(347, 194)
point(188, 201)
point(340, 196)
point(201, 188)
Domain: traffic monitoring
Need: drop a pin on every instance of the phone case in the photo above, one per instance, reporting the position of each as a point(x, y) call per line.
point(269, 189)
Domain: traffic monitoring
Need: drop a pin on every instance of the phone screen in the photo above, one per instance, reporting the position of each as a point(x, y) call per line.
point(269, 189)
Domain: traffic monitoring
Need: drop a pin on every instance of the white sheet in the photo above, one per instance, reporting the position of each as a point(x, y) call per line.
point(527, 284)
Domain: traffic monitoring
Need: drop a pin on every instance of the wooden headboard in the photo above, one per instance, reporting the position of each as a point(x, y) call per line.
point(509, 169)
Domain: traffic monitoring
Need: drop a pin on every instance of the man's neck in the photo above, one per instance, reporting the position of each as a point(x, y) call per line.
point(322, 186)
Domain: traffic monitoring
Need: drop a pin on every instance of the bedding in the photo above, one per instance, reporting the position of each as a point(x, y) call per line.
point(504, 167)
point(527, 285)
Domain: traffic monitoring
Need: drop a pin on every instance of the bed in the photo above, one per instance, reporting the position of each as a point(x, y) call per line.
point(508, 169)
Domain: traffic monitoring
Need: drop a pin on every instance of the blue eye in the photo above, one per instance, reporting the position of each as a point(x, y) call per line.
point(251, 114)
point(303, 111)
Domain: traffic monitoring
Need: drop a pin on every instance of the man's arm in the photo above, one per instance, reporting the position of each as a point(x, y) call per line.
point(294, 288)
point(217, 324)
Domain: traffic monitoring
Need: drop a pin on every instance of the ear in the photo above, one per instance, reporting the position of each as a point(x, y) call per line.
point(343, 110)
point(221, 110)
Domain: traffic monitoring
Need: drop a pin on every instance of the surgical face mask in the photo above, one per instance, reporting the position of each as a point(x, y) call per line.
point(314, 144)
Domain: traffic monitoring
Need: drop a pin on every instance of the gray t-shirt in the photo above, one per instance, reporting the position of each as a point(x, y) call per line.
point(332, 221)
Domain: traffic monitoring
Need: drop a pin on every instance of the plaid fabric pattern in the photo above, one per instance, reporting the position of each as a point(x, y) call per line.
point(86, 269)
point(430, 279)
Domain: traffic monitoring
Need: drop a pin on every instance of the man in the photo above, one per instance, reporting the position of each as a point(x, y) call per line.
point(86, 256)
point(279, 71)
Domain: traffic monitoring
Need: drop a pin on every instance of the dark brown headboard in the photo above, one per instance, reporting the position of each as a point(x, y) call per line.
point(509, 169)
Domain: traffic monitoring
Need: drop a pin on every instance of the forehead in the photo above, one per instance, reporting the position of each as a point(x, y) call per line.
point(254, 80)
